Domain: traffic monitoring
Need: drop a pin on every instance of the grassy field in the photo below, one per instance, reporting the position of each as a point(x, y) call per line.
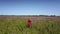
point(40, 25)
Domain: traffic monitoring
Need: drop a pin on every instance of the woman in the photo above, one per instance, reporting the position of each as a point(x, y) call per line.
point(29, 23)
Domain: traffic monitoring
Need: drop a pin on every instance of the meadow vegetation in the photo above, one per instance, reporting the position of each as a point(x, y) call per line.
point(19, 26)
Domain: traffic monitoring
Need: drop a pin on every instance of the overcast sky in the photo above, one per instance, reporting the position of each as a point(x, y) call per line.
point(30, 7)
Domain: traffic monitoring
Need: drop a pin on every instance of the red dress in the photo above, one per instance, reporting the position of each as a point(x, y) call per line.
point(29, 23)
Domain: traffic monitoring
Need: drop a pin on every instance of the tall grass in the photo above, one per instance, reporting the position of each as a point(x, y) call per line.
point(19, 26)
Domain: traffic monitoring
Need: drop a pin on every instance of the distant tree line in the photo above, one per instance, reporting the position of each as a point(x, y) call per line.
point(29, 15)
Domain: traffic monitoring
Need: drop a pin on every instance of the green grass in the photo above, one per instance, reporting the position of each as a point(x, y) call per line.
point(19, 26)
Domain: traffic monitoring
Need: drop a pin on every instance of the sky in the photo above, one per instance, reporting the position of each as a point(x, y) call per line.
point(30, 7)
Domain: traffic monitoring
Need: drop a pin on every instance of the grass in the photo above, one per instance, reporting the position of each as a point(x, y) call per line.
point(19, 26)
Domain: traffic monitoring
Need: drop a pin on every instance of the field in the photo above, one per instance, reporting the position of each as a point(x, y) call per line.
point(40, 25)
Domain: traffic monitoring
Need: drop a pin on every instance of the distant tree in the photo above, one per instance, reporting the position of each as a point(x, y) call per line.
point(52, 15)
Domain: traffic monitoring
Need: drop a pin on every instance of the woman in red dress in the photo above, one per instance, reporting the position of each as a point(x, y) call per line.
point(29, 23)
